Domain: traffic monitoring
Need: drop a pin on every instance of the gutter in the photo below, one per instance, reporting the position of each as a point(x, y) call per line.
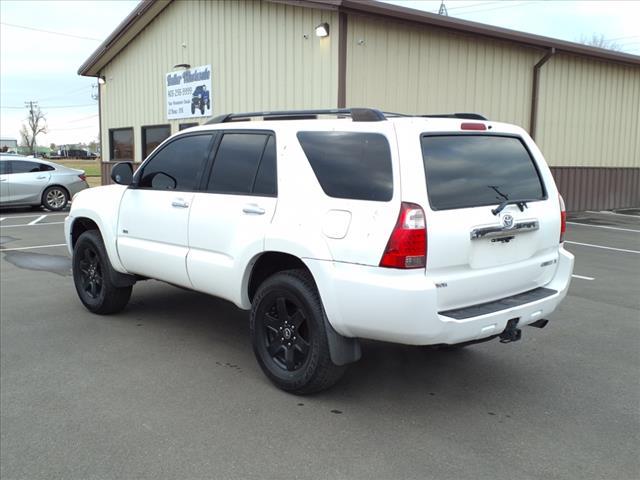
point(535, 89)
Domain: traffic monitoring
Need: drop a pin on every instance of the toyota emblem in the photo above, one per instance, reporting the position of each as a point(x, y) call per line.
point(507, 221)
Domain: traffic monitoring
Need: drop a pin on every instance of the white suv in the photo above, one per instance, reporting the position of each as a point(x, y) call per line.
point(335, 225)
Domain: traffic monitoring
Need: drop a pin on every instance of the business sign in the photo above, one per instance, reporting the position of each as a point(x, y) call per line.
point(189, 93)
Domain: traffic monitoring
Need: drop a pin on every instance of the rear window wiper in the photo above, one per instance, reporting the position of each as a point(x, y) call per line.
point(522, 204)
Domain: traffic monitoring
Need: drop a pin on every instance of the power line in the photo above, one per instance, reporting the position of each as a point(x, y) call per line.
point(55, 106)
point(521, 4)
point(76, 90)
point(475, 5)
point(51, 32)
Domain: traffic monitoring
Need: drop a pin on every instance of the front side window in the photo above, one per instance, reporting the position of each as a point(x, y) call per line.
point(244, 163)
point(178, 165)
point(121, 145)
point(154, 136)
point(475, 170)
point(4, 168)
point(350, 165)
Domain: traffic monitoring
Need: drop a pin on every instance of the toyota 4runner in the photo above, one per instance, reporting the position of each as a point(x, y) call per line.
point(332, 226)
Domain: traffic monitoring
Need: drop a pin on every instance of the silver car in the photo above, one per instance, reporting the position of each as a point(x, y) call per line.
point(33, 181)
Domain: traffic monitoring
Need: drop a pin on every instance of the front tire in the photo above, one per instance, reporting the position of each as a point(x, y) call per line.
point(288, 334)
point(55, 198)
point(92, 279)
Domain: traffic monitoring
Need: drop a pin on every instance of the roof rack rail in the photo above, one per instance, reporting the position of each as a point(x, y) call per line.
point(465, 116)
point(356, 114)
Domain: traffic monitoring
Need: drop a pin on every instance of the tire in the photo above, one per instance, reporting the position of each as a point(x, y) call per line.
point(55, 198)
point(202, 109)
point(193, 109)
point(288, 334)
point(92, 278)
point(208, 105)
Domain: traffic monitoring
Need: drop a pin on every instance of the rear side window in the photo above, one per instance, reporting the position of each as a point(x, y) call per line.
point(178, 166)
point(20, 166)
point(245, 163)
point(475, 170)
point(350, 164)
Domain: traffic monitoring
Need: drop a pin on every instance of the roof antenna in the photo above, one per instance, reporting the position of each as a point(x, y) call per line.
point(443, 10)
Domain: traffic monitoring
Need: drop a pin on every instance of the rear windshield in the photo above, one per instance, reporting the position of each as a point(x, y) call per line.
point(474, 170)
point(350, 164)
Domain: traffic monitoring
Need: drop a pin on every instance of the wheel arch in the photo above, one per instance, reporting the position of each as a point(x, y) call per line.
point(343, 350)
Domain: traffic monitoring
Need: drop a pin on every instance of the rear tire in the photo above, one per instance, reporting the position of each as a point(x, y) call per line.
point(288, 334)
point(55, 198)
point(92, 279)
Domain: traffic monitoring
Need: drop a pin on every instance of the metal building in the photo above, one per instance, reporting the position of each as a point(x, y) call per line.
point(580, 103)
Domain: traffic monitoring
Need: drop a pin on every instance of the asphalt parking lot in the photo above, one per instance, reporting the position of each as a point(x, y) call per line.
point(170, 388)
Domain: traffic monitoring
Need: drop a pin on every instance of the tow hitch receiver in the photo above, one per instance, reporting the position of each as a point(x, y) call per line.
point(511, 333)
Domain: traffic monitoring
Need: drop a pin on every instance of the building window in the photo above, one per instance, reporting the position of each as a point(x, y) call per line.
point(184, 126)
point(121, 144)
point(152, 137)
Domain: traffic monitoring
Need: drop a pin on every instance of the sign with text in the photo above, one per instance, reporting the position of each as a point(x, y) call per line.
point(189, 93)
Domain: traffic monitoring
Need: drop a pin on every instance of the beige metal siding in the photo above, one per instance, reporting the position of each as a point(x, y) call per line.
point(589, 113)
point(400, 67)
point(257, 50)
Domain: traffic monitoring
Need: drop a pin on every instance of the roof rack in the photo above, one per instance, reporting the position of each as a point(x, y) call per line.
point(356, 114)
point(465, 116)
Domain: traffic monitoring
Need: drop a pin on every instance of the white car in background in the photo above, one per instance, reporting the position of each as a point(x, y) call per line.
point(27, 181)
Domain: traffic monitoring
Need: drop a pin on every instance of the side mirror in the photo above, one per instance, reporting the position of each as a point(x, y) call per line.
point(122, 173)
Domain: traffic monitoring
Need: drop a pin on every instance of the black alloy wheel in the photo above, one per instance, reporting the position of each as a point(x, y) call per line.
point(288, 333)
point(92, 276)
point(91, 279)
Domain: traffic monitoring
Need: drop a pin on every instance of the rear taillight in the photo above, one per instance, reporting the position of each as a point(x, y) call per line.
point(407, 246)
point(83, 177)
point(563, 219)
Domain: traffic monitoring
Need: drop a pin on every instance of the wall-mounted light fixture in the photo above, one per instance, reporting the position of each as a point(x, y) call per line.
point(102, 80)
point(322, 30)
point(182, 65)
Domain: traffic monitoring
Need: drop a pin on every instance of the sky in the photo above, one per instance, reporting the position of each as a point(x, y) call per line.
point(37, 65)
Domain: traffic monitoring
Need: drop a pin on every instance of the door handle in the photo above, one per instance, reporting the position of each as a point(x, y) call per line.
point(179, 203)
point(41, 177)
point(3, 179)
point(253, 209)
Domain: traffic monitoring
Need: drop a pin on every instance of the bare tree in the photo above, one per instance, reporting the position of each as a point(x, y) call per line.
point(599, 41)
point(36, 124)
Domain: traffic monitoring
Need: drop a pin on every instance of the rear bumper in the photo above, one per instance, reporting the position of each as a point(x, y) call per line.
point(401, 306)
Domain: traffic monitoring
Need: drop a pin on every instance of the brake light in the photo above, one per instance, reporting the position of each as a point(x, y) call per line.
point(473, 126)
point(407, 245)
point(83, 177)
point(563, 219)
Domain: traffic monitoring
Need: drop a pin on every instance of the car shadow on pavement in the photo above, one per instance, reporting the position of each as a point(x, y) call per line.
point(403, 374)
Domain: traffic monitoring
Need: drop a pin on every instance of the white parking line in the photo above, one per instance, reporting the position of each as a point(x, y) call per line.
point(602, 226)
point(41, 217)
point(582, 277)
point(603, 247)
point(36, 215)
point(30, 248)
point(31, 225)
point(604, 212)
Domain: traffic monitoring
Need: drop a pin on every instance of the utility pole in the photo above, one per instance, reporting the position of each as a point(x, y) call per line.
point(30, 105)
point(443, 9)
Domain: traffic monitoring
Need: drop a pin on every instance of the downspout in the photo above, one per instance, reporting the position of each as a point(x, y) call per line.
point(342, 60)
point(535, 89)
point(102, 179)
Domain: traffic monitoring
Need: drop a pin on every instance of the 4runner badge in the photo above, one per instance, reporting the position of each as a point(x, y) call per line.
point(507, 221)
